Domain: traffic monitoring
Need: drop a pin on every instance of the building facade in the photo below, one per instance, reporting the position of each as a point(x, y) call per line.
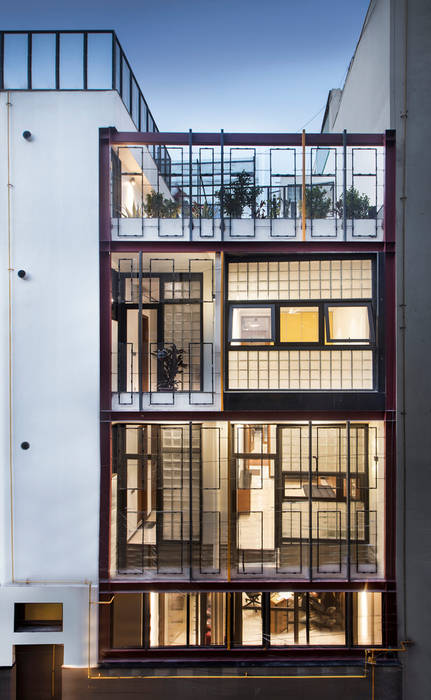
point(199, 481)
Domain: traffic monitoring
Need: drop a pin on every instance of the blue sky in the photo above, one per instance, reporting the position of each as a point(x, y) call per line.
point(241, 65)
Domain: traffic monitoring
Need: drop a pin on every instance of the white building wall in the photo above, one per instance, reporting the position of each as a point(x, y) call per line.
point(54, 234)
point(365, 106)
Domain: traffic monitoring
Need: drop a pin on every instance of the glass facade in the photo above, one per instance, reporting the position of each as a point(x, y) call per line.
point(210, 500)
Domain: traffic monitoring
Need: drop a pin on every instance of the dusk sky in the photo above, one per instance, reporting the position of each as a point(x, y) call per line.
point(240, 65)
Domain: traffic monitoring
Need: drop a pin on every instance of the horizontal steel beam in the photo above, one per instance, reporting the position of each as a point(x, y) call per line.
point(173, 138)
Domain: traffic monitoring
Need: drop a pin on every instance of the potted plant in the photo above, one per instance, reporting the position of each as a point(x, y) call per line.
point(317, 202)
point(170, 365)
point(357, 205)
point(159, 207)
point(240, 194)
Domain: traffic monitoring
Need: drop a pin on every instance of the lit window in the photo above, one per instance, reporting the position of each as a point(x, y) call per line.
point(349, 324)
point(299, 324)
point(251, 324)
point(38, 617)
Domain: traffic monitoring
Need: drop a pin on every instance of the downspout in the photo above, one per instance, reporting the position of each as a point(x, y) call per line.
point(10, 270)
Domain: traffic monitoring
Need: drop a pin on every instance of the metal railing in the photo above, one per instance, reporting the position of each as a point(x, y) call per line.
point(77, 60)
point(162, 383)
point(223, 192)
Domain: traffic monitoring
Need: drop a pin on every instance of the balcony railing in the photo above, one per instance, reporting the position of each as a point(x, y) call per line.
point(77, 60)
point(143, 378)
point(331, 188)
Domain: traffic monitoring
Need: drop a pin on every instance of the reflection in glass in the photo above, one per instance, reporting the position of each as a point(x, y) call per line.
point(327, 618)
point(15, 61)
point(43, 61)
point(99, 70)
point(288, 618)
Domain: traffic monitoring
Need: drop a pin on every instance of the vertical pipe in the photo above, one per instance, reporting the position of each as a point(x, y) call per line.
point(344, 184)
point(303, 185)
point(190, 184)
point(10, 339)
point(140, 358)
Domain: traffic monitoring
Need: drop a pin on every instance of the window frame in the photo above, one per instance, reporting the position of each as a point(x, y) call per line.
point(254, 341)
point(369, 342)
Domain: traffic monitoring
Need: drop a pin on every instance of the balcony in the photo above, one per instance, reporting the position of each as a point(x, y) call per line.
point(163, 332)
point(331, 189)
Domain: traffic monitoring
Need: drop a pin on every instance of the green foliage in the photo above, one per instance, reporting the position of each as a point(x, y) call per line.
point(274, 207)
point(241, 194)
point(357, 205)
point(317, 202)
point(158, 207)
point(136, 212)
point(202, 211)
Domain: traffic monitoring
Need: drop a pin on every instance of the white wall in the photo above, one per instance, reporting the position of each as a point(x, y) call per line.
point(55, 342)
point(365, 101)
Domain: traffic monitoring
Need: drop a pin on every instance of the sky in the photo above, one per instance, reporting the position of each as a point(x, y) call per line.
point(240, 65)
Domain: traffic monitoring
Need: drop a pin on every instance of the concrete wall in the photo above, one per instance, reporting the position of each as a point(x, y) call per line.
point(55, 355)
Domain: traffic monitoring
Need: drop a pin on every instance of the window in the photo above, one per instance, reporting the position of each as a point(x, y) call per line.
point(256, 620)
point(299, 324)
point(302, 497)
point(38, 617)
point(346, 324)
point(251, 324)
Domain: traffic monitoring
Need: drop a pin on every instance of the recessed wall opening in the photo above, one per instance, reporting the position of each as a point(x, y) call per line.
point(38, 617)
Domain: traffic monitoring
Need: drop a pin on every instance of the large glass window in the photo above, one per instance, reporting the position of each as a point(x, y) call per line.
point(322, 325)
point(251, 619)
point(305, 500)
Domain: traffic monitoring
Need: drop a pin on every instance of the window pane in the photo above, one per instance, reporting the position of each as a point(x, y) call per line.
point(348, 323)
point(15, 61)
point(99, 61)
point(71, 61)
point(168, 626)
point(299, 324)
point(327, 618)
point(252, 323)
point(127, 620)
point(288, 618)
point(43, 61)
point(367, 618)
point(248, 619)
